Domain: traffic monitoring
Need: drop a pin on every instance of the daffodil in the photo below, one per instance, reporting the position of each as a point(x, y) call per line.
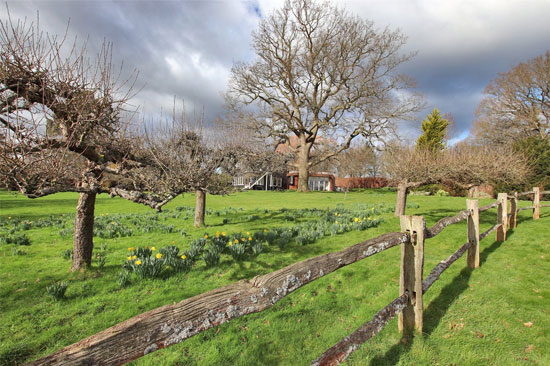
point(183, 256)
point(231, 243)
point(247, 233)
point(134, 257)
point(138, 263)
point(249, 238)
point(223, 233)
point(236, 241)
point(159, 256)
point(129, 258)
point(205, 236)
point(265, 230)
point(153, 248)
point(243, 240)
point(146, 247)
point(130, 249)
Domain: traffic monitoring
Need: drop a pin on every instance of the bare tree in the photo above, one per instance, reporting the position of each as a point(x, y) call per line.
point(517, 104)
point(359, 161)
point(320, 71)
point(189, 161)
point(463, 166)
point(60, 124)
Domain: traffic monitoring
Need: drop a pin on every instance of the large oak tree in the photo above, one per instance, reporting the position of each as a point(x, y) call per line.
point(322, 72)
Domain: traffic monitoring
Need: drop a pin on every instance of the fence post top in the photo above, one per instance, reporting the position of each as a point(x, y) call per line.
point(536, 189)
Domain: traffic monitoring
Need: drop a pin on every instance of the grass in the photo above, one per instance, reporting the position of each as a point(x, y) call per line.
point(494, 315)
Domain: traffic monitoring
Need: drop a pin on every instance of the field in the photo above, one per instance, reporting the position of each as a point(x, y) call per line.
point(495, 315)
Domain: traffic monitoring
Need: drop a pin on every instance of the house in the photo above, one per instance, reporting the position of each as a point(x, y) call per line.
point(265, 182)
point(318, 181)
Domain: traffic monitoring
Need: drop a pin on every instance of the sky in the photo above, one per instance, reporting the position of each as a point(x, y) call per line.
point(185, 49)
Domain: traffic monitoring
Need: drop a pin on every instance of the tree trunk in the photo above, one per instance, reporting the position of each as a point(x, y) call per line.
point(303, 166)
point(402, 190)
point(199, 208)
point(84, 231)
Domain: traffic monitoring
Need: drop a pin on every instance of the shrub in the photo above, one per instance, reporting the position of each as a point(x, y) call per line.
point(57, 290)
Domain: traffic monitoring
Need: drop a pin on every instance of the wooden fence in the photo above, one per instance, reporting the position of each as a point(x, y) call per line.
point(170, 324)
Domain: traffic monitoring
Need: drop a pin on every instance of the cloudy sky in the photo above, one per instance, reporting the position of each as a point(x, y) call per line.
point(186, 48)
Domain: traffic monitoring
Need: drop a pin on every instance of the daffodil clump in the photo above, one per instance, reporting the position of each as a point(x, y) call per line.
point(149, 262)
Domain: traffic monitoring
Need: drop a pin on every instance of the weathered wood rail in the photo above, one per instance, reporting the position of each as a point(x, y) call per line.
point(171, 324)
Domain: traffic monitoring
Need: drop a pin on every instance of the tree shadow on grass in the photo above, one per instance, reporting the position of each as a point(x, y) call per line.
point(436, 309)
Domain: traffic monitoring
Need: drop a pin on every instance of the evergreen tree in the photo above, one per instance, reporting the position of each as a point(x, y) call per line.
point(435, 132)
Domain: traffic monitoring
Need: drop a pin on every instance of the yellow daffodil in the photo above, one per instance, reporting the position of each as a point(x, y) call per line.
point(206, 236)
point(223, 233)
point(231, 243)
point(247, 233)
point(183, 256)
point(129, 258)
point(336, 221)
point(146, 247)
point(173, 242)
point(249, 238)
point(265, 230)
point(130, 249)
point(153, 248)
point(217, 233)
point(242, 239)
point(159, 256)
point(138, 263)
point(236, 241)
point(134, 257)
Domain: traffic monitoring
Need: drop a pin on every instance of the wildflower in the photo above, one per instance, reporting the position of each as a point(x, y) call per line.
point(355, 219)
point(173, 242)
point(243, 240)
point(236, 241)
point(131, 249)
point(249, 238)
point(247, 233)
point(159, 256)
point(231, 243)
point(205, 236)
point(217, 233)
point(138, 263)
point(146, 247)
point(134, 257)
point(183, 256)
point(336, 221)
point(265, 230)
point(153, 248)
point(223, 233)
point(130, 258)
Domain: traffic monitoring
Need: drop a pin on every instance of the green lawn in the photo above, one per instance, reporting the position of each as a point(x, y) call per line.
point(494, 315)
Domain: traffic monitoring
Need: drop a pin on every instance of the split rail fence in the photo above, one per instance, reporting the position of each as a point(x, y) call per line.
point(170, 324)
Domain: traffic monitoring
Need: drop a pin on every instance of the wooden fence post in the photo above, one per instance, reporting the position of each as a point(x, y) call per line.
point(536, 203)
point(412, 265)
point(502, 216)
point(473, 233)
point(513, 223)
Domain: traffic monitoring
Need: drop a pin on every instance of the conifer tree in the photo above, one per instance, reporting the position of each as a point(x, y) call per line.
point(435, 132)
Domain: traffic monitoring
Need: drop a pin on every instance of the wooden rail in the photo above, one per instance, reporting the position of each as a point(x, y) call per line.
point(171, 324)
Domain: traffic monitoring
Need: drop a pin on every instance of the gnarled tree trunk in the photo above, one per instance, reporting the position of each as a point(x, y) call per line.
point(199, 208)
point(84, 231)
